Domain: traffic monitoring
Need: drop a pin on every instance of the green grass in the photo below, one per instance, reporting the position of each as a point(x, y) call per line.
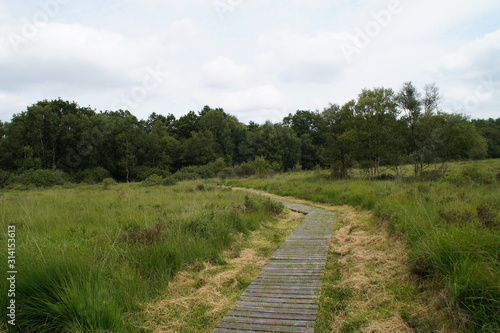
point(90, 257)
point(334, 299)
point(451, 226)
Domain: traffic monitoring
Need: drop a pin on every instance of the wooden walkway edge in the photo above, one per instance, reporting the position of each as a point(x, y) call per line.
point(284, 297)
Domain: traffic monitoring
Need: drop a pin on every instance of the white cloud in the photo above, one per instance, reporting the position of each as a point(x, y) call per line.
point(481, 54)
point(472, 75)
point(245, 102)
point(223, 72)
point(311, 58)
point(78, 55)
point(264, 59)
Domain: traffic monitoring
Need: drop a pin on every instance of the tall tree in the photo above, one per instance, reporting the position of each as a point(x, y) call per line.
point(377, 139)
point(200, 149)
point(336, 122)
point(431, 98)
point(490, 130)
point(442, 137)
point(305, 125)
point(186, 125)
point(409, 102)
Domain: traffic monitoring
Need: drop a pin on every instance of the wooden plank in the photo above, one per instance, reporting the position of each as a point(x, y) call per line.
point(292, 271)
point(285, 280)
point(255, 284)
point(267, 328)
point(284, 297)
point(278, 282)
point(230, 330)
point(269, 321)
point(290, 300)
point(274, 310)
point(272, 315)
point(283, 291)
point(293, 264)
point(279, 295)
point(277, 305)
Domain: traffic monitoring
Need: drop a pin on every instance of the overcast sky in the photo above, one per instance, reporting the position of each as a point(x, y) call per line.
point(259, 60)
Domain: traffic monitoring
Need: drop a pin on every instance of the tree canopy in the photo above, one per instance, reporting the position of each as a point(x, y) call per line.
point(381, 128)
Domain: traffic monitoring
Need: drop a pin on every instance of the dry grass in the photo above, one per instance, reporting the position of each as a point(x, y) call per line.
point(371, 265)
point(385, 296)
point(198, 297)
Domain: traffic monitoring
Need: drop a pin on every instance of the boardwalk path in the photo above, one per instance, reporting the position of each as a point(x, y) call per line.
point(285, 295)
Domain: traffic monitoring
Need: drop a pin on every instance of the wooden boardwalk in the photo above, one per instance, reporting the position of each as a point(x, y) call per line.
point(285, 295)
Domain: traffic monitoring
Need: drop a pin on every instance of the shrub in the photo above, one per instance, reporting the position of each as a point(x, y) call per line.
point(153, 180)
point(143, 172)
point(184, 175)
point(106, 183)
point(169, 181)
point(226, 173)
point(244, 170)
point(471, 174)
point(201, 171)
point(272, 206)
point(92, 176)
point(4, 178)
point(39, 178)
point(262, 167)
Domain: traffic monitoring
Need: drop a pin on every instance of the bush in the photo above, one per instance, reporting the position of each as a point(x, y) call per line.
point(268, 205)
point(153, 180)
point(4, 178)
point(106, 183)
point(39, 178)
point(244, 170)
point(92, 176)
point(183, 175)
point(471, 174)
point(200, 171)
point(169, 181)
point(143, 172)
point(262, 167)
point(226, 173)
point(259, 167)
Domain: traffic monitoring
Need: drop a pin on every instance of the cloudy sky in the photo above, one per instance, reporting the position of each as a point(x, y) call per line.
point(257, 59)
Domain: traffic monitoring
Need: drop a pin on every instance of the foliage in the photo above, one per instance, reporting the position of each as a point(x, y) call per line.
point(4, 178)
point(38, 178)
point(490, 130)
point(379, 129)
point(92, 176)
point(107, 182)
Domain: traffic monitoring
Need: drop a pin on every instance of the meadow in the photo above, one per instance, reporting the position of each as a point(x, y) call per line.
point(90, 258)
point(451, 227)
point(133, 258)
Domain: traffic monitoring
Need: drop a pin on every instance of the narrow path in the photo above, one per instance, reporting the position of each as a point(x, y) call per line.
point(285, 295)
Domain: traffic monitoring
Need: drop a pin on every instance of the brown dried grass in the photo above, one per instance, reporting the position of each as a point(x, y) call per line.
point(374, 267)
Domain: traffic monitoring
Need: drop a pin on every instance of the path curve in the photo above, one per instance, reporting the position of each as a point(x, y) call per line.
point(285, 295)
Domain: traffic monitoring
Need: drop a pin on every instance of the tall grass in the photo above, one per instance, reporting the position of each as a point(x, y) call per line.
point(89, 257)
point(451, 226)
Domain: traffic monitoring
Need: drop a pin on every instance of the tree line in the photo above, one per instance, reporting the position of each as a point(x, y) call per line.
point(381, 128)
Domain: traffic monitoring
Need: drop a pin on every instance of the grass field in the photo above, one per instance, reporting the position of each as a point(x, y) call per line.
point(451, 227)
point(91, 258)
point(129, 258)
